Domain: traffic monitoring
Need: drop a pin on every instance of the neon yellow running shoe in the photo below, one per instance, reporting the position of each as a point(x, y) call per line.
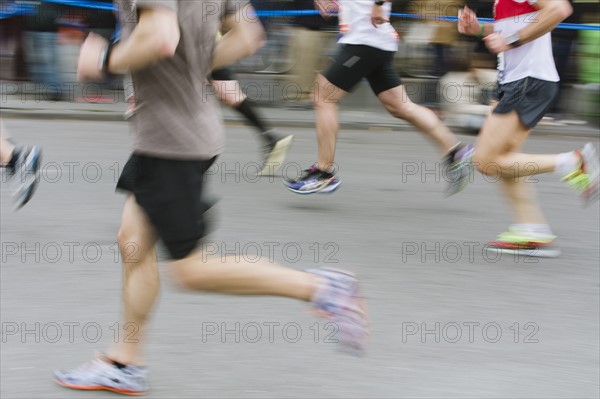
point(522, 243)
point(584, 179)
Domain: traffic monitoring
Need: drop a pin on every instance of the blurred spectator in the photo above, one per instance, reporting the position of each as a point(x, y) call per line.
point(562, 45)
point(588, 54)
point(11, 42)
point(482, 58)
point(308, 39)
point(445, 34)
point(104, 23)
point(267, 6)
point(41, 37)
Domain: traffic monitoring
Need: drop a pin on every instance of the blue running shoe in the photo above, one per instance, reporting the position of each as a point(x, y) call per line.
point(314, 180)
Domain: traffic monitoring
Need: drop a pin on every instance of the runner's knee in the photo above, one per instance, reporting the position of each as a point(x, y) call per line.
point(321, 102)
point(402, 109)
point(190, 277)
point(132, 247)
point(484, 162)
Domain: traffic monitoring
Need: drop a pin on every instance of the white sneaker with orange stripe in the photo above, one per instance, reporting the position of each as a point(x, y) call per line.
point(101, 374)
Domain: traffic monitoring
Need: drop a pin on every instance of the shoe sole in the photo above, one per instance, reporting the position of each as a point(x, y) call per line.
point(277, 156)
point(590, 160)
point(534, 253)
point(99, 388)
point(330, 188)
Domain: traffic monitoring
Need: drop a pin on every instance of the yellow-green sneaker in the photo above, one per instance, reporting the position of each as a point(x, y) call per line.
point(522, 243)
point(584, 178)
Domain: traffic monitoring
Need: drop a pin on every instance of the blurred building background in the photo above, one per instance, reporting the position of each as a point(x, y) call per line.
point(40, 40)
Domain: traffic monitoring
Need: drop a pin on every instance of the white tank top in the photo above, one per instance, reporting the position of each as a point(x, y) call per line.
point(356, 26)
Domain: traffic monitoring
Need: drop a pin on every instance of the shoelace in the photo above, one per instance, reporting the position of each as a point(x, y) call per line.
point(92, 365)
point(307, 172)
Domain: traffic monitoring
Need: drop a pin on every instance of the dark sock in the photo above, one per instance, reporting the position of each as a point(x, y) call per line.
point(247, 109)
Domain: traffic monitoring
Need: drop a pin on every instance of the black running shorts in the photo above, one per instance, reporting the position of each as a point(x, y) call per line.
point(170, 192)
point(222, 74)
point(529, 97)
point(354, 62)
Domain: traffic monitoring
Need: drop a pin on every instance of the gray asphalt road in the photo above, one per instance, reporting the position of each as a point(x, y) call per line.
point(448, 319)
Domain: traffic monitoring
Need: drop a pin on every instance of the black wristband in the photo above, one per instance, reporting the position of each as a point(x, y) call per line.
point(380, 2)
point(105, 57)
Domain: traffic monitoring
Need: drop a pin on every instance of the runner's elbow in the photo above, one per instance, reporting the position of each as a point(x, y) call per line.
point(563, 10)
point(566, 10)
point(255, 38)
point(165, 46)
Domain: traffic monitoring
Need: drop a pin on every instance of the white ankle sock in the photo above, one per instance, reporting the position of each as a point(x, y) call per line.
point(533, 229)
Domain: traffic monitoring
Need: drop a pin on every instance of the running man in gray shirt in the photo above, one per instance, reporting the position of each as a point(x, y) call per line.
point(169, 48)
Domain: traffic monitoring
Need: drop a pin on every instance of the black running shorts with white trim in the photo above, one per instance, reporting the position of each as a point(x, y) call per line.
point(529, 97)
point(354, 62)
point(170, 192)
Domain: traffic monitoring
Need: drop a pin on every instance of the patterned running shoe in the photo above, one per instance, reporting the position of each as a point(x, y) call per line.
point(314, 180)
point(521, 243)
point(338, 298)
point(458, 168)
point(101, 374)
point(584, 179)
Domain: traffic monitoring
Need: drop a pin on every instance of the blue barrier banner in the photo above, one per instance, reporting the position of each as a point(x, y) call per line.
point(84, 4)
point(8, 10)
point(26, 9)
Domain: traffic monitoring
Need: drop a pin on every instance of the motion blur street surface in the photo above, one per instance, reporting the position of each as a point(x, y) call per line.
point(430, 287)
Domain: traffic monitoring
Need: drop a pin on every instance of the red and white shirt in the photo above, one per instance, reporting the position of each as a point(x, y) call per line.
point(533, 59)
point(356, 26)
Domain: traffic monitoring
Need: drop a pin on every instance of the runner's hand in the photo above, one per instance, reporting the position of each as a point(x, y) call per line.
point(327, 8)
point(467, 22)
point(378, 16)
point(88, 66)
point(496, 43)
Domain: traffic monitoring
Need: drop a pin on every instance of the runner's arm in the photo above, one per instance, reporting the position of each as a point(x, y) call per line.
point(242, 37)
point(468, 24)
point(552, 12)
point(378, 13)
point(155, 37)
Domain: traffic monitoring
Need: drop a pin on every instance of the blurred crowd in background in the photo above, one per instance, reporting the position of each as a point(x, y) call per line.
point(40, 41)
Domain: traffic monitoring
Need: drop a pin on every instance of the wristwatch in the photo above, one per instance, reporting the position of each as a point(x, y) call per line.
point(380, 2)
point(514, 40)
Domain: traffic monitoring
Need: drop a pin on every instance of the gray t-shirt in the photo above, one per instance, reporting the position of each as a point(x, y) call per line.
point(176, 115)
